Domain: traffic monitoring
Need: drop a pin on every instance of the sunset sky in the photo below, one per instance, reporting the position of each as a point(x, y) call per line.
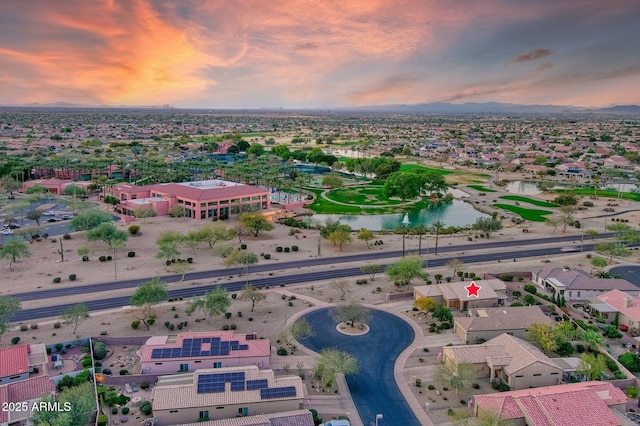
point(329, 53)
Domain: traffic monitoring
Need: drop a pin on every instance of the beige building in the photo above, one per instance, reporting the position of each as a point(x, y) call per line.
point(483, 324)
point(508, 359)
point(456, 296)
point(616, 302)
point(288, 418)
point(223, 393)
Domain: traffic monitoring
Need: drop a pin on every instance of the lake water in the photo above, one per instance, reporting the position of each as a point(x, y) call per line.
point(452, 213)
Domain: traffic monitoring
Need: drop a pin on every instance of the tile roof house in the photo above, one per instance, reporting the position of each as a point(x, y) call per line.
point(584, 403)
point(483, 324)
point(578, 285)
point(28, 391)
point(626, 305)
point(221, 393)
point(193, 351)
point(455, 295)
point(287, 418)
point(508, 359)
point(17, 362)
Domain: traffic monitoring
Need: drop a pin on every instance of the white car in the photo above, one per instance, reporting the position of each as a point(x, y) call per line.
point(48, 213)
point(7, 231)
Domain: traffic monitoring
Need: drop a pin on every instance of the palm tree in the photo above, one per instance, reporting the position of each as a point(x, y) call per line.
point(592, 338)
point(437, 227)
point(420, 230)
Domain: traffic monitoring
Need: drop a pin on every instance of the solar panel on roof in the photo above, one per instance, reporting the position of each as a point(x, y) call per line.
point(257, 384)
point(283, 392)
point(243, 347)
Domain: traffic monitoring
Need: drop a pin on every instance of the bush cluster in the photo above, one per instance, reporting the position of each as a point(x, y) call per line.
point(360, 282)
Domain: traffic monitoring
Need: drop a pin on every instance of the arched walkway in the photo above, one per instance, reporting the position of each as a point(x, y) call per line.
point(373, 388)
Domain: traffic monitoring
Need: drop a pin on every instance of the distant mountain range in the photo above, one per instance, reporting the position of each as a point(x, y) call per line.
point(425, 108)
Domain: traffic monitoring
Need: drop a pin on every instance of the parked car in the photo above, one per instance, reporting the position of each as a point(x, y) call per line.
point(66, 217)
point(11, 226)
point(48, 213)
point(53, 219)
point(6, 231)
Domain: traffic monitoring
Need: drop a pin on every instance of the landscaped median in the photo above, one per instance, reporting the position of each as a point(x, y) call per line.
point(522, 199)
point(533, 215)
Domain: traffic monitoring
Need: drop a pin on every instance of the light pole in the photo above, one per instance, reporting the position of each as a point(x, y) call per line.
point(378, 417)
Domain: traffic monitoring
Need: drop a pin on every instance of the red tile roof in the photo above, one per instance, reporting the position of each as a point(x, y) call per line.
point(24, 390)
point(14, 360)
point(562, 405)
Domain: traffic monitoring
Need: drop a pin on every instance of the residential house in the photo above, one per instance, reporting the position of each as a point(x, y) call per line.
point(577, 285)
point(455, 295)
point(615, 302)
point(288, 418)
point(583, 403)
point(222, 393)
point(208, 199)
point(483, 324)
point(22, 394)
point(193, 351)
point(508, 359)
point(19, 362)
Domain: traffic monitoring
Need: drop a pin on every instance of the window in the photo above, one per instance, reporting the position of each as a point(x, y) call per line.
point(245, 199)
point(217, 365)
point(197, 362)
point(173, 411)
point(537, 374)
point(204, 414)
point(234, 201)
point(554, 374)
point(519, 375)
point(256, 197)
point(184, 367)
point(578, 294)
point(180, 201)
point(570, 295)
point(213, 203)
point(134, 196)
point(158, 363)
point(202, 204)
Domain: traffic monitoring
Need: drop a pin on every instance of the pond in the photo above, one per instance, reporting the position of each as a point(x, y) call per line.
point(452, 213)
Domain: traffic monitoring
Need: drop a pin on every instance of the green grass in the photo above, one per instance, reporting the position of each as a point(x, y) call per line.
point(365, 195)
point(481, 188)
point(601, 193)
point(322, 206)
point(408, 167)
point(527, 214)
point(533, 201)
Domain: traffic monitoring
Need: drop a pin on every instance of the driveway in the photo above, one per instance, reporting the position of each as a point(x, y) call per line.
point(373, 388)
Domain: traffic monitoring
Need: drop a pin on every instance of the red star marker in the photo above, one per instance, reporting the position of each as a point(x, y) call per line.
point(473, 289)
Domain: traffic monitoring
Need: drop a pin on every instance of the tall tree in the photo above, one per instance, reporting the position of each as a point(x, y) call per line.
point(242, 259)
point(366, 235)
point(455, 264)
point(425, 304)
point(75, 315)
point(592, 366)
point(110, 235)
point(457, 376)
point(437, 227)
point(544, 335)
point(253, 294)
point(81, 404)
point(339, 237)
point(13, 249)
point(405, 270)
point(214, 233)
point(89, 219)
point(372, 270)
point(213, 303)
point(351, 313)
point(148, 294)
point(419, 230)
point(488, 225)
point(9, 306)
point(331, 362)
point(341, 286)
point(255, 222)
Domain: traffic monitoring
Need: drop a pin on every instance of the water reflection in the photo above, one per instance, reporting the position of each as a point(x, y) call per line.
point(452, 213)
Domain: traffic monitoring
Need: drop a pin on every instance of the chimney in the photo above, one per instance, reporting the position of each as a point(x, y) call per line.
point(628, 302)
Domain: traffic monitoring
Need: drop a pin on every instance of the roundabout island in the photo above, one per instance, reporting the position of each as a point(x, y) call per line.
point(373, 388)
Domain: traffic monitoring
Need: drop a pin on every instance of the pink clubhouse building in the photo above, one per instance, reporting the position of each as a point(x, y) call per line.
point(202, 200)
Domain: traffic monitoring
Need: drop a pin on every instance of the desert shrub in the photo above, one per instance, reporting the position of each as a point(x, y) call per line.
point(287, 249)
point(57, 280)
point(133, 229)
point(114, 410)
point(124, 372)
point(15, 340)
point(506, 277)
point(475, 386)
point(189, 259)
point(279, 249)
point(500, 386)
point(106, 371)
point(431, 387)
point(99, 350)
point(144, 385)
point(66, 236)
point(580, 348)
point(146, 408)
point(109, 258)
point(56, 325)
point(72, 277)
point(34, 326)
point(630, 361)
point(135, 324)
point(151, 321)
point(243, 246)
point(267, 256)
point(103, 420)
point(125, 410)
point(86, 362)
point(282, 352)
point(102, 258)
point(24, 327)
point(233, 326)
point(530, 288)
point(612, 332)
point(225, 327)
point(227, 315)
point(294, 248)
point(445, 326)
point(239, 314)
point(171, 327)
point(58, 346)
point(131, 254)
point(514, 304)
point(587, 203)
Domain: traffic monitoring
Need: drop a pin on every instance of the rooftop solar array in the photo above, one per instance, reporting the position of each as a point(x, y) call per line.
point(209, 383)
point(193, 348)
point(257, 384)
point(284, 392)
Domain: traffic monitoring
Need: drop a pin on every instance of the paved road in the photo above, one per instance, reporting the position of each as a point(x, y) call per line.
point(115, 302)
point(373, 388)
point(630, 273)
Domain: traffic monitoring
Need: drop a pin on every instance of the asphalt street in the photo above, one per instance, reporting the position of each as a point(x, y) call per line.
point(273, 281)
point(373, 388)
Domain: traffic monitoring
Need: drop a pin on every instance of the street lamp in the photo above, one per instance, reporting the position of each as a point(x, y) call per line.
point(378, 417)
